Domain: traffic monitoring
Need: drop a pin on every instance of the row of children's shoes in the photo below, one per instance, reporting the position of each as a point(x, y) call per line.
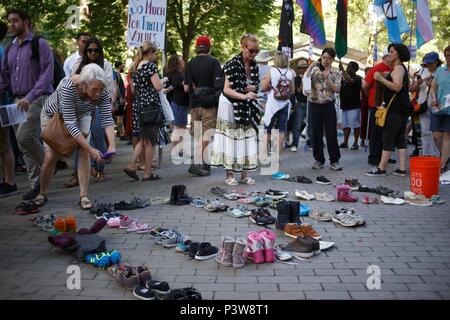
point(49, 222)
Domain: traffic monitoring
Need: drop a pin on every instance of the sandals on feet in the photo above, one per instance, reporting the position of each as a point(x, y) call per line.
point(85, 203)
point(248, 180)
point(231, 182)
point(131, 173)
point(40, 200)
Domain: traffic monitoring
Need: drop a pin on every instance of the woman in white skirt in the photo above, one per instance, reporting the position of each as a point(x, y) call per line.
point(235, 145)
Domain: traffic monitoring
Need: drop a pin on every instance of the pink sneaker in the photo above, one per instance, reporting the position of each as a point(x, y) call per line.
point(114, 222)
point(268, 238)
point(255, 247)
point(125, 222)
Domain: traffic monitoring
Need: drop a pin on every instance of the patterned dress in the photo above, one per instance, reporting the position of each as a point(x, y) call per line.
point(145, 97)
point(235, 144)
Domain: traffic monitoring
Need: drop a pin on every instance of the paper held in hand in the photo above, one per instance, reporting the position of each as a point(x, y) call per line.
point(11, 115)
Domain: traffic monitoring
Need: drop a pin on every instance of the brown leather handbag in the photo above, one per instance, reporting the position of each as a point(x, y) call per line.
point(58, 137)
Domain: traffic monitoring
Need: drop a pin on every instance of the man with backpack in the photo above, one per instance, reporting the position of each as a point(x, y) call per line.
point(29, 79)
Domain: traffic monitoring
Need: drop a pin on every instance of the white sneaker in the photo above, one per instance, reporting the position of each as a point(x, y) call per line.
point(323, 197)
point(282, 255)
point(304, 195)
point(294, 149)
point(390, 200)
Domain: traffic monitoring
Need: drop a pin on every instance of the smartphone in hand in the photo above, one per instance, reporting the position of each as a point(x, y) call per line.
point(108, 155)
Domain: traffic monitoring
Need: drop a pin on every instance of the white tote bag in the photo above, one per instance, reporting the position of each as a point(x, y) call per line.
point(166, 108)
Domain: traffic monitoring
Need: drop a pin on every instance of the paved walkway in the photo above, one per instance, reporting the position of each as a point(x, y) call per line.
point(410, 245)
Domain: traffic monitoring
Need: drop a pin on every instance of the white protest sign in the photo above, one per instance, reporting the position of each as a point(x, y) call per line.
point(146, 22)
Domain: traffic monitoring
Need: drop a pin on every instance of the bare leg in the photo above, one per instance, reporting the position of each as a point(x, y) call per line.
point(9, 167)
point(134, 157)
point(445, 151)
point(84, 166)
point(385, 156)
point(356, 135)
point(48, 169)
point(346, 135)
point(437, 137)
point(402, 159)
point(149, 152)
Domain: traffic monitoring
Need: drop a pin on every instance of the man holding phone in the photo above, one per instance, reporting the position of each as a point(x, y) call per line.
point(325, 82)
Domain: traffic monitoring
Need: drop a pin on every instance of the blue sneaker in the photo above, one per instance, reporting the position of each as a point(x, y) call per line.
point(98, 260)
point(182, 246)
point(114, 257)
point(280, 175)
point(304, 209)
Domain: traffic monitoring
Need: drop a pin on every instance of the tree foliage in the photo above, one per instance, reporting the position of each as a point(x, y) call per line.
point(223, 20)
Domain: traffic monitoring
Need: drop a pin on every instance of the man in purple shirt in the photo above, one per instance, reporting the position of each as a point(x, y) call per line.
point(30, 82)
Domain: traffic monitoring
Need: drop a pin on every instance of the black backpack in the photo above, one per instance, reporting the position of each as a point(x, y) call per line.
point(58, 70)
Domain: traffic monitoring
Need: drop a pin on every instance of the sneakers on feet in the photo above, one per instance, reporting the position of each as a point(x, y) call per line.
point(376, 172)
point(400, 173)
point(318, 165)
point(335, 166)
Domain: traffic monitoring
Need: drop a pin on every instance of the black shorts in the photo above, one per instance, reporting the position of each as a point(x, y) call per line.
point(394, 132)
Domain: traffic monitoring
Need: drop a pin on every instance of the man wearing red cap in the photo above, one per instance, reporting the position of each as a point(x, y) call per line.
point(203, 82)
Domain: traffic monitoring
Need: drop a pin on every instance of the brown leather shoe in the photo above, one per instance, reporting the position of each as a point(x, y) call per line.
point(307, 229)
point(293, 230)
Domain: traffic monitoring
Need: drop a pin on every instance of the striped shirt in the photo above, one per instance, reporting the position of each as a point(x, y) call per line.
point(67, 102)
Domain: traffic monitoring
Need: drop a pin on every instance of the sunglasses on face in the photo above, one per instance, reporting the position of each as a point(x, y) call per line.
point(253, 51)
point(96, 50)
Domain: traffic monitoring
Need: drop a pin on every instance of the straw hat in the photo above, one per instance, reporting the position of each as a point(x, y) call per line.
point(263, 56)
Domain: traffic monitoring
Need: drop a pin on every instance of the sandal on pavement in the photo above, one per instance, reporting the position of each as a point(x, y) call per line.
point(436, 199)
point(40, 200)
point(131, 173)
point(85, 203)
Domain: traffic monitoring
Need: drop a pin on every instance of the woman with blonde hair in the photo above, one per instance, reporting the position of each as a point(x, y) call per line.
point(279, 82)
point(148, 117)
point(235, 139)
point(75, 99)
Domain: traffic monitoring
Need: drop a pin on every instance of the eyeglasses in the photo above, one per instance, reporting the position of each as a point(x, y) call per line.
point(252, 51)
point(96, 50)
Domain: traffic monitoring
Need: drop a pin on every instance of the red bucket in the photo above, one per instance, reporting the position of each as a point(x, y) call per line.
point(425, 172)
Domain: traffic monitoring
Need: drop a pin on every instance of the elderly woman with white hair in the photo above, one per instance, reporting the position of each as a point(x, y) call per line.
point(75, 99)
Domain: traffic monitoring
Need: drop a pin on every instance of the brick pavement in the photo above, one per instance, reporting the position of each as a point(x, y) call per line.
point(410, 245)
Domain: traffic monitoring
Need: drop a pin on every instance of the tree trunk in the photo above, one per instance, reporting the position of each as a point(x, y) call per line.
point(186, 47)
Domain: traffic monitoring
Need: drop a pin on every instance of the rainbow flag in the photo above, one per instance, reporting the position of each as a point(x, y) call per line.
point(312, 20)
point(424, 28)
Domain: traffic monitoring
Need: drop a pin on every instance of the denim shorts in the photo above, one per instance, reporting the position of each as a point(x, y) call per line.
point(439, 123)
point(279, 120)
point(180, 114)
point(351, 118)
